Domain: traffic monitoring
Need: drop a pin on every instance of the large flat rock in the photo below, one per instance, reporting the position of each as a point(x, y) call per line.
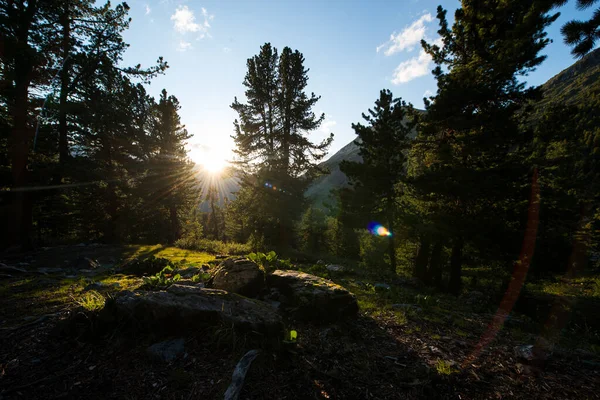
point(187, 307)
point(309, 297)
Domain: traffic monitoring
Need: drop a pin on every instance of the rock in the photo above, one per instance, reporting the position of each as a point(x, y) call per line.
point(188, 272)
point(48, 270)
point(309, 297)
point(320, 262)
point(85, 263)
point(12, 270)
point(382, 286)
point(23, 264)
point(531, 353)
point(188, 282)
point(167, 351)
point(80, 245)
point(221, 256)
point(240, 276)
point(191, 307)
point(335, 268)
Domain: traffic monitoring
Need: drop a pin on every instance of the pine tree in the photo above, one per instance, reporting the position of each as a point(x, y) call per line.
point(171, 184)
point(274, 155)
point(582, 35)
point(384, 143)
point(471, 179)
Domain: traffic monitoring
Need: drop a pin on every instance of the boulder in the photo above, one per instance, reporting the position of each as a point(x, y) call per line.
point(309, 297)
point(381, 286)
point(239, 275)
point(167, 351)
point(85, 263)
point(187, 272)
point(190, 307)
point(335, 268)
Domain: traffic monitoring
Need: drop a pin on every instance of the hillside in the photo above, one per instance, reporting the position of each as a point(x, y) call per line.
point(574, 85)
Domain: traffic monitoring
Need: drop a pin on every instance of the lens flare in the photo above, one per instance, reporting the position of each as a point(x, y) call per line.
point(379, 230)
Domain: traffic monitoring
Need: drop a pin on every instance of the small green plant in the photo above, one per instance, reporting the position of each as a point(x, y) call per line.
point(444, 367)
point(161, 280)
point(92, 301)
point(201, 277)
point(269, 261)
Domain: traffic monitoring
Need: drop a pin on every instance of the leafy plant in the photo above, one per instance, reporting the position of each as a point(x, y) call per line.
point(92, 301)
point(161, 280)
point(201, 277)
point(269, 261)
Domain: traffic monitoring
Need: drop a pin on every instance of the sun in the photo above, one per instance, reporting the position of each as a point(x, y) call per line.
point(211, 160)
point(214, 165)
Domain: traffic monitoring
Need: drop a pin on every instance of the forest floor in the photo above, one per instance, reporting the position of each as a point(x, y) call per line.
point(407, 342)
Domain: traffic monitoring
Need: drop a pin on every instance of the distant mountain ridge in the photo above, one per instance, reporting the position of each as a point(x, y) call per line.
point(571, 86)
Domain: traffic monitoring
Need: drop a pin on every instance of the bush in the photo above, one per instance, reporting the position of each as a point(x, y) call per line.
point(373, 252)
point(149, 265)
point(213, 246)
point(269, 261)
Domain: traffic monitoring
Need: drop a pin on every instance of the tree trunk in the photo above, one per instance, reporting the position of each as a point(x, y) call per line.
point(391, 244)
point(435, 265)
point(21, 134)
point(63, 147)
point(421, 260)
point(455, 283)
point(174, 223)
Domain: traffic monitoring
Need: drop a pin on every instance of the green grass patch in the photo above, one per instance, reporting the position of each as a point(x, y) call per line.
point(92, 301)
point(444, 367)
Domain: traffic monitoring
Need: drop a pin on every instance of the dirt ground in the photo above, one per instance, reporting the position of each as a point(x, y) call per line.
point(424, 353)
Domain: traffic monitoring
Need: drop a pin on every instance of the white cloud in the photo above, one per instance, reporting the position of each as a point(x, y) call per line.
point(226, 50)
point(184, 21)
point(327, 125)
point(184, 46)
point(428, 93)
point(408, 38)
point(411, 69)
point(148, 9)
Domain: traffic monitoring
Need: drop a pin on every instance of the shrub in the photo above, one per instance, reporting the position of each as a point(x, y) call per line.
point(373, 252)
point(149, 265)
point(269, 261)
point(213, 246)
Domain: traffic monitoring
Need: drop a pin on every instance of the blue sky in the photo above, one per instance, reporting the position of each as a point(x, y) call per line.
point(353, 50)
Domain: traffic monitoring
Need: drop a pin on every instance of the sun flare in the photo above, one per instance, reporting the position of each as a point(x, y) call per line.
point(211, 160)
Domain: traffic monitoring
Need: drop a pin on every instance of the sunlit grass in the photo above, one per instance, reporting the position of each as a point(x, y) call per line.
point(92, 301)
point(444, 367)
point(174, 254)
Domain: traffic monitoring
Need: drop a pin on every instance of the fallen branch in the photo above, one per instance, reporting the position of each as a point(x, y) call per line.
point(239, 374)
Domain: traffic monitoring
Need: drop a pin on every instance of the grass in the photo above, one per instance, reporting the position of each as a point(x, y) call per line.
point(92, 301)
point(214, 246)
point(585, 286)
point(175, 254)
point(444, 367)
